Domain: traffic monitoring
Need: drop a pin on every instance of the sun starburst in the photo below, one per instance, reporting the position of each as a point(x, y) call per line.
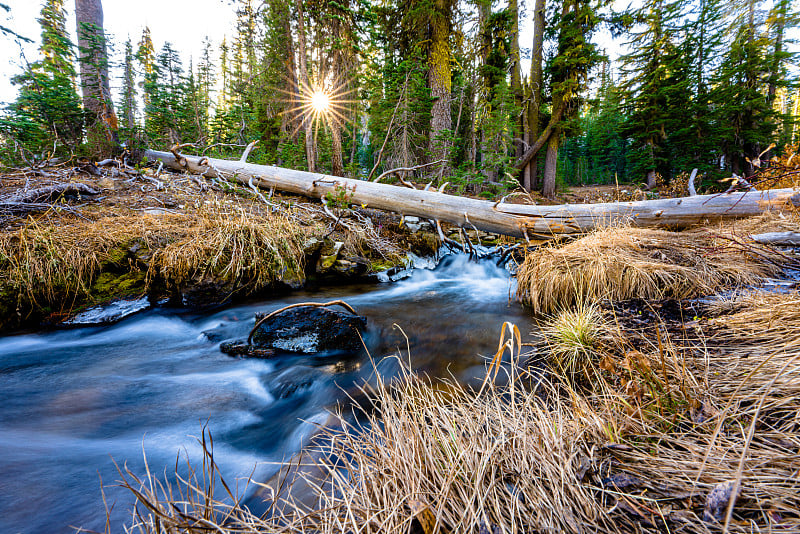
point(317, 102)
point(320, 102)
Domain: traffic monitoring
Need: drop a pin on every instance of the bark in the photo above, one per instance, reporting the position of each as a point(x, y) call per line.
point(439, 77)
point(305, 87)
point(334, 120)
point(519, 220)
point(50, 192)
point(516, 74)
point(541, 141)
point(535, 100)
point(290, 115)
point(651, 174)
point(337, 161)
point(102, 125)
point(550, 167)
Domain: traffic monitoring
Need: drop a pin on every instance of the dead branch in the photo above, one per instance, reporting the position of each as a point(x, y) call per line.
point(690, 185)
point(50, 192)
point(247, 151)
point(406, 169)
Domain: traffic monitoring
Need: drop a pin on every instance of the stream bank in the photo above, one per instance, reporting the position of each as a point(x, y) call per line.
point(181, 243)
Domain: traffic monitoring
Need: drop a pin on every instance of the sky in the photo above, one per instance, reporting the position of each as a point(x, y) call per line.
point(184, 23)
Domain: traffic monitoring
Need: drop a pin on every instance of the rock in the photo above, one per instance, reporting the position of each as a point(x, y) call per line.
point(206, 293)
point(328, 255)
point(352, 267)
point(414, 224)
point(295, 379)
point(109, 313)
point(309, 330)
point(312, 246)
point(241, 348)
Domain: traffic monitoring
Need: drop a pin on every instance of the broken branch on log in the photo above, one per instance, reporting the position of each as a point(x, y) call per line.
point(787, 239)
point(49, 192)
point(406, 169)
point(690, 185)
point(516, 220)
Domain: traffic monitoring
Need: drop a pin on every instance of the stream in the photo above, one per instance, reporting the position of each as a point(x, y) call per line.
point(75, 401)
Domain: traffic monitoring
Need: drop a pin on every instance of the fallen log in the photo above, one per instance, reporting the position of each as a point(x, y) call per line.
point(518, 220)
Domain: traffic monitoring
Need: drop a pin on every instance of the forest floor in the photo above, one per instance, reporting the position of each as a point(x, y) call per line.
point(175, 238)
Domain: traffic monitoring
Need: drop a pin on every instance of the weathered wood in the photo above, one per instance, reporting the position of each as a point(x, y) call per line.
point(690, 185)
point(49, 192)
point(517, 220)
point(788, 239)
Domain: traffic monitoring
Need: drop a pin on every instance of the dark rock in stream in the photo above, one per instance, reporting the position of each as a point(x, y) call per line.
point(242, 348)
point(303, 330)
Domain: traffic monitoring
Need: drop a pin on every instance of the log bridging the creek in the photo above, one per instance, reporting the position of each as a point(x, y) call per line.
point(518, 220)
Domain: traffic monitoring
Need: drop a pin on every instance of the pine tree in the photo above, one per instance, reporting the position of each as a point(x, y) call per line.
point(651, 86)
point(47, 108)
point(569, 72)
point(128, 103)
point(744, 114)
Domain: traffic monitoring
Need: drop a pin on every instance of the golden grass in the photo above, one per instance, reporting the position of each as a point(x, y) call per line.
point(56, 265)
point(233, 246)
point(627, 263)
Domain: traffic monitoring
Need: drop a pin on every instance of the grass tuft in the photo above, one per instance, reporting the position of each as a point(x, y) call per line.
point(626, 263)
point(572, 337)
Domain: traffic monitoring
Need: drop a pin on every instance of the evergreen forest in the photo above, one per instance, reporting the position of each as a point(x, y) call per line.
point(447, 88)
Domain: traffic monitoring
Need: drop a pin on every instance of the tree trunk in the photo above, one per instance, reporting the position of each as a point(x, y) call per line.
point(516, 73)
point(305, 88)
point(439, 78)
point(550, 166)
point(535, 100)
point(519, 220)
point(102, 127)
point(337, 161)
point(291, 115)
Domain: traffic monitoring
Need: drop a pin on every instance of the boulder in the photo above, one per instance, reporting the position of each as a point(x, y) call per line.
point(309, 330)
point(302, 330)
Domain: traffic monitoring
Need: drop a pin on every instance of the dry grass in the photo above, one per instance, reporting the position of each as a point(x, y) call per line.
point(233, 246)
point(56, 265)
point(661, 441)
point(626, 263)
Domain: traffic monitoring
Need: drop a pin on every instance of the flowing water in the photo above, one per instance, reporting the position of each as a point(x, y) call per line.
point(74, 401)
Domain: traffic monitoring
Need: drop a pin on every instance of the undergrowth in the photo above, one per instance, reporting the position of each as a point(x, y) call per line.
point(628, 263)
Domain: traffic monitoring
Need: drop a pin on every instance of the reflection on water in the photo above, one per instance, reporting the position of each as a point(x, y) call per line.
point(75, 399)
